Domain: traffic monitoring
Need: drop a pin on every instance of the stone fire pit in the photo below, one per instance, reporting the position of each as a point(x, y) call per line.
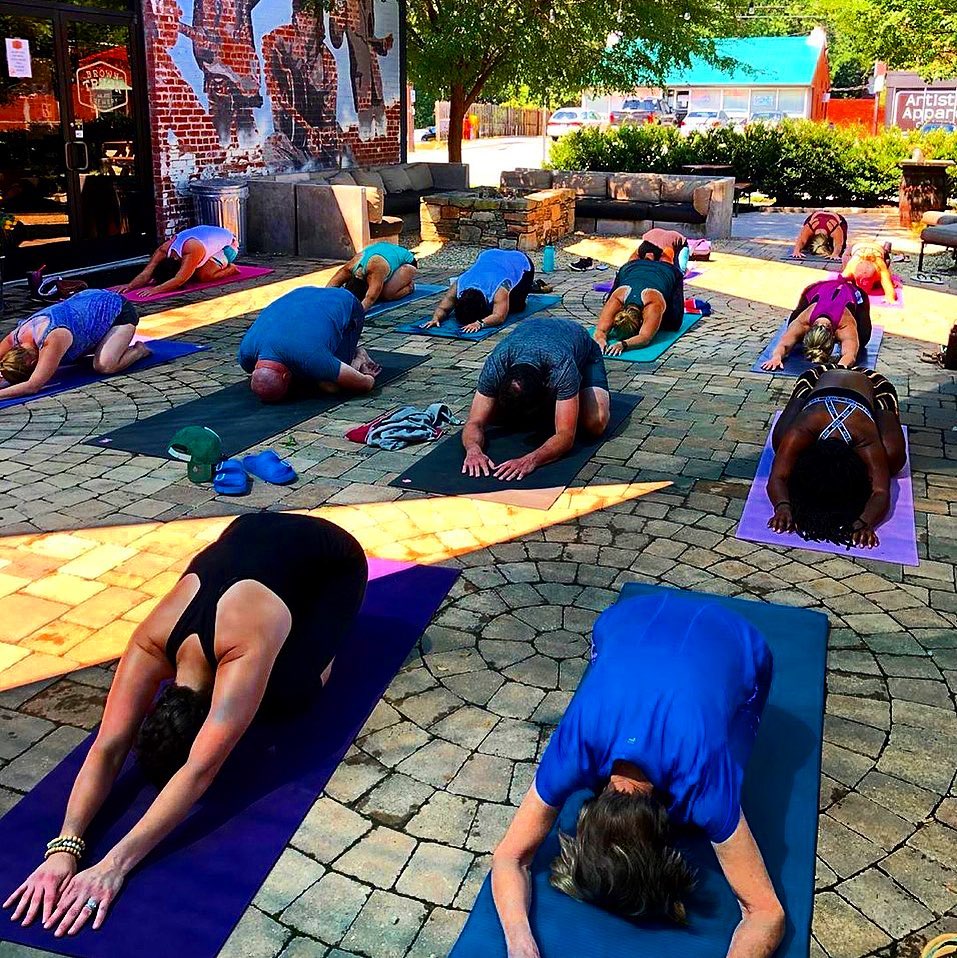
point(508, 219)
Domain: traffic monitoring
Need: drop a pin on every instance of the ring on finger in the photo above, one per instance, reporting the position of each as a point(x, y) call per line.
point(91, 905)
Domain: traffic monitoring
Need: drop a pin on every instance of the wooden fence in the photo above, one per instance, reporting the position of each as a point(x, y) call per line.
point(494, 120)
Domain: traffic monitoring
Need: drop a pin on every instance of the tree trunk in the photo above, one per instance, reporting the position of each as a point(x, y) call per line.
point(457, 108)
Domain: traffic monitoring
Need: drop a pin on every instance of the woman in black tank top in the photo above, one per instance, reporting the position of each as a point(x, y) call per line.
point(252, 626)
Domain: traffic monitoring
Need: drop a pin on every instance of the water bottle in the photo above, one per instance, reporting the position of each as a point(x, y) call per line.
point(548, 259)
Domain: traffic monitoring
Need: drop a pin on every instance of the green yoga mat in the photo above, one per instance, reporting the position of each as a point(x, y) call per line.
point(659, 345)
point(239, 418)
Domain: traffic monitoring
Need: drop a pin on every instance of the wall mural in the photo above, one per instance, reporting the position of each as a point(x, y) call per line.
point(303, 81)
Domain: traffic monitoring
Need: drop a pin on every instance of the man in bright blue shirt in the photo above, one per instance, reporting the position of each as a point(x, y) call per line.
point(661, 727)
point(310, 336)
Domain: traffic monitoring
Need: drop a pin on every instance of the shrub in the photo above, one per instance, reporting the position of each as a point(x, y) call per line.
point(798, 161)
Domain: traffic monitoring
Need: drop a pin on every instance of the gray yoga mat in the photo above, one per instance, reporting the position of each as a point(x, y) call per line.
point(239, 418)
point(440, 470)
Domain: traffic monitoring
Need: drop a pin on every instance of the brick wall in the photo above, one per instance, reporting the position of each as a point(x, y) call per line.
point(224, 100)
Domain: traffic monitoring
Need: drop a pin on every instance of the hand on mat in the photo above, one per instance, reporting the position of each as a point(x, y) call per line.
point(614, 349)
point(477, 463)
point(516, 468)
point(798, 255)
point(42, 888)
point(782, 520)
point(775, 362)
point(865, 537)
point(432, 323)
point(472, 327)
point(101, 883)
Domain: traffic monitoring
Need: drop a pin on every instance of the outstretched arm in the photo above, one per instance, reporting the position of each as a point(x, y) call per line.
point(878, 504)
point(887, 282)
point(804, 237)
point(498, 315)
point(342, 273)
point(239, 688)
point(143, 278)
point(511, 872)
point(606, 318)
point(849, 340)
point(762, 918)
point(790, 445)
point(444, 308)
point(473, 436)
point(792, 336)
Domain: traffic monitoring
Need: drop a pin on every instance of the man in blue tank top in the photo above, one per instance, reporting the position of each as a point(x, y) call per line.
point(660, 728)
point(494, 286)
point(310, 338)
point(383, 271)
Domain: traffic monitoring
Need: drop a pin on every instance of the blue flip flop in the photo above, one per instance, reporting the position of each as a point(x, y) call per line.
point(269, 467)
point(230, 478)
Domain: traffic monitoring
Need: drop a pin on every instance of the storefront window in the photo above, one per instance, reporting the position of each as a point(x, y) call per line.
point(705, 100)
point(100, 4)
point(735, 101)
point(764, 101)
point(791, 102)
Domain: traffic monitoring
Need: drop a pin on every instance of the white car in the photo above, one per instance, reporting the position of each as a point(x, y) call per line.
point(703, 120)
point(566, 120)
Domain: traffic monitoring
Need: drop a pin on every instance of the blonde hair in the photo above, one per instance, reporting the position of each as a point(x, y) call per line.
point(18, 364)
point(628, 321)
point(821, 244)
point(818, 343)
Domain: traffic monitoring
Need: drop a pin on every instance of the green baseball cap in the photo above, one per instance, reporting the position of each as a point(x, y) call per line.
point(200, 448)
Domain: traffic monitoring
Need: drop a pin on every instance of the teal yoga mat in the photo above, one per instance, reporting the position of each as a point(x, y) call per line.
point(659, 345)
point(780, 800)
point(421, 291)
point(450, 329)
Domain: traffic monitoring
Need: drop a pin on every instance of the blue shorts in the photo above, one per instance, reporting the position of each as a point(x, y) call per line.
point(594, 373)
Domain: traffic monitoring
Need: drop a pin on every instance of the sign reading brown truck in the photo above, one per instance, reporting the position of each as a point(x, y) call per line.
point(914, 108)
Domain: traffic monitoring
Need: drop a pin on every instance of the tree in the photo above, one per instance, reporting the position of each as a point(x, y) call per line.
point(462, 49)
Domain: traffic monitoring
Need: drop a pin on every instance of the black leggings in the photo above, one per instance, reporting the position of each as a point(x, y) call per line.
point(885, 395)
point(518, 294)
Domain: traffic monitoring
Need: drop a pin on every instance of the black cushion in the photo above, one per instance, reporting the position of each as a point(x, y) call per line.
point(602, 208)
point(939, 235)
point(395, 204)
point(676, 213)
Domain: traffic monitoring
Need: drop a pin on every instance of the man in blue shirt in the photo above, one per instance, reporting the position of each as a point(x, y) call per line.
point(310, 336)
point(661, 727)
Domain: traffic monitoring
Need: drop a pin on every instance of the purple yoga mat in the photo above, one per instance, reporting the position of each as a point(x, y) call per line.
point(607, 285)
point(82, 374)
point(186, 898)
point(897, 533)
point(245, 272)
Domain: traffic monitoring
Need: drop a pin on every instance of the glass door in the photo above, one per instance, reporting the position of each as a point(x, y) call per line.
point(74, 171)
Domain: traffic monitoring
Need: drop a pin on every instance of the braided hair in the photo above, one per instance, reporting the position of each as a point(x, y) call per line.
point(828, 489)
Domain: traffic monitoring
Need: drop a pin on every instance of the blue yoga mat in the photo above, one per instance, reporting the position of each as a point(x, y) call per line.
point(659, 345)
point(795, 364)
point(187, 896)
point(82, 374)
point(450, 329)
point(780, 800)
point(421, 291)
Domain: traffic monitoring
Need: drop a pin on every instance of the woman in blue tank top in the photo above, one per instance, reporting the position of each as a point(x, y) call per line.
point(382, 270)
point(203, 254)
point(94, 321)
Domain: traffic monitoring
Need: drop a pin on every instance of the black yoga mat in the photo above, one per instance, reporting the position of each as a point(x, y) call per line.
point(239, 418)
point(187, 895)
point(440, 470)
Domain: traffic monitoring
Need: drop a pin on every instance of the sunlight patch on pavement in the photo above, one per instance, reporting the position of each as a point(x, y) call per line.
point(71, 599)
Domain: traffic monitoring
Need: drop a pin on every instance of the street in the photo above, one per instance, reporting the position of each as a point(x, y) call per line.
point(487, 158)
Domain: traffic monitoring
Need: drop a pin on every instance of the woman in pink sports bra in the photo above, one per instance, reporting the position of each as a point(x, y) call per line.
point(828, 312)
point(203, 254)
point(823, 234)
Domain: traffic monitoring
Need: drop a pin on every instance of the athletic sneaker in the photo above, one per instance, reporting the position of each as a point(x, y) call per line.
point(582, 265)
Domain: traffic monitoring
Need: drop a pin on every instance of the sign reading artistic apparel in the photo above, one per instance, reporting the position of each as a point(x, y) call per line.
point(103, 87)
point(913, 108)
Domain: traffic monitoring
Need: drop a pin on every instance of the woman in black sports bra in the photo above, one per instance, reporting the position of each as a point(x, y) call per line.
point(252, 626)
point(836, 446)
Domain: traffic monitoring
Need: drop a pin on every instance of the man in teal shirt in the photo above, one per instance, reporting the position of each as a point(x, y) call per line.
point(383, 271)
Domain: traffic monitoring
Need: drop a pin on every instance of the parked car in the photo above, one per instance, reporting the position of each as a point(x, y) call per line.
point(768, 118)
point(946, 127)
point(702, 120)
point(645, 110)
point(566, 120)
point(738, 121)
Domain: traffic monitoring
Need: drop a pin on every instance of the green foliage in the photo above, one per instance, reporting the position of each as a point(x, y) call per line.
point(424, 110)
point(796, 162)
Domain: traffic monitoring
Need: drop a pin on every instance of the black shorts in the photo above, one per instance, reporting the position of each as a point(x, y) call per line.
point(518, 294)
point(128, 315)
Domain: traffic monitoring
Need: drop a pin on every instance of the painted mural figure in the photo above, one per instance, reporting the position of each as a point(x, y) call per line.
point(301, 80)
point(364, 49)
point(224, 48)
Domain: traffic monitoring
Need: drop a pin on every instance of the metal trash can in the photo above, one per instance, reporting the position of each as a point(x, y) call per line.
point(222, 202)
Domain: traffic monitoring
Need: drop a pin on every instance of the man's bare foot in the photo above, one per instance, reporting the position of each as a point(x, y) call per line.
point(361, 356)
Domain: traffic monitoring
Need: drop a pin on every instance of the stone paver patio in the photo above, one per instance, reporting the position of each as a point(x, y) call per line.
point(392, 855)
